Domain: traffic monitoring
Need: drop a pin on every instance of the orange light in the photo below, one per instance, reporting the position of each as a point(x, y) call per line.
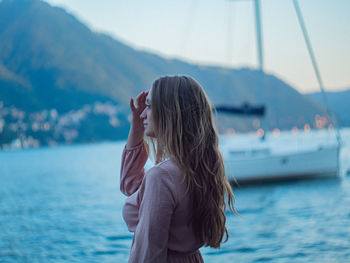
point(307, 127)
point(260, 133)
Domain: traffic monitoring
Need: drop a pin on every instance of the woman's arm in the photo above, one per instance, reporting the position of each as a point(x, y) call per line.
point(157, 203)
point(132, 168)
point(134, 155)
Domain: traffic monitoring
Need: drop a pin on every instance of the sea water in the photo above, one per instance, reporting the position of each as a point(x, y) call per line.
point(63, 204)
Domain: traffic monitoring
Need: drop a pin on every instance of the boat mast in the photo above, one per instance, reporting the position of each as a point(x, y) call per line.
point(258, 35)
point(258, 32)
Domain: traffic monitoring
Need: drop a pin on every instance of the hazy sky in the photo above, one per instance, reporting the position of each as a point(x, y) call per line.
point(222, 32)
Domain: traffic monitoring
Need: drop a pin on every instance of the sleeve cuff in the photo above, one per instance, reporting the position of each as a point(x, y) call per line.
point(134, 147)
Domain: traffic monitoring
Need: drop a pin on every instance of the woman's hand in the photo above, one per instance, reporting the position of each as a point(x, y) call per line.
point(136, 109)
point(137, 128)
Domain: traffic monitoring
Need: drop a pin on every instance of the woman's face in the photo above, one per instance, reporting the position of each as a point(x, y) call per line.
point(146, 115)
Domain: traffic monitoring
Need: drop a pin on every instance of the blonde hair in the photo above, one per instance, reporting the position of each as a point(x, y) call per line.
point(185, 133)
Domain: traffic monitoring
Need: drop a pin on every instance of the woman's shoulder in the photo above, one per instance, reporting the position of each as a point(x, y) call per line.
point(166, 170)
point(166, 175)
point(169, 166)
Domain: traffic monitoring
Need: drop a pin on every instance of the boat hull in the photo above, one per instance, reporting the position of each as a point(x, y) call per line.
point(322, 161)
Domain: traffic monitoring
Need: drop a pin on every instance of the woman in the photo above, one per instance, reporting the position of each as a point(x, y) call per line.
point(177, 206)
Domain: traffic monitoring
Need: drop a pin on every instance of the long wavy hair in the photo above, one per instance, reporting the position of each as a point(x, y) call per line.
point(185, 133)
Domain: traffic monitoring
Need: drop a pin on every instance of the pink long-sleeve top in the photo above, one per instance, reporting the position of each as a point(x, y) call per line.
point(157, 210)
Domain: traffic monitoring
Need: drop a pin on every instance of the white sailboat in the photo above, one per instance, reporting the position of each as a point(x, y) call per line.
point(262, 159)
point(249, 159)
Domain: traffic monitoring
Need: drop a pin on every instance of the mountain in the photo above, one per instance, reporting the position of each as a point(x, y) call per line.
point(50, 60)
point(338, 102)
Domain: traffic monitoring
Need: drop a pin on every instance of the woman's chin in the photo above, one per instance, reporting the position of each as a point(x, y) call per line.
point(149, 133)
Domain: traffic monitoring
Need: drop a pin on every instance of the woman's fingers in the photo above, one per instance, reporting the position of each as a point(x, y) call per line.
point(132, 106)
point(137, 105)
point(143, 98)
point(140, 99)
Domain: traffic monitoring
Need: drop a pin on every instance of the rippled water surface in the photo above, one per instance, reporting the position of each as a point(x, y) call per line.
point(63, 204)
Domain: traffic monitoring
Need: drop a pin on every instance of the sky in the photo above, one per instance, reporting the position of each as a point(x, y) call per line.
point(222, 33)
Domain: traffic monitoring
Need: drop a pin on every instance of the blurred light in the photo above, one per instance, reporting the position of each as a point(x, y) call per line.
point(276, 131)
point(260, 133)
point(46, 126)
point(2, 124)
point(114, 122)
point(321, 121)
point(230, 131)
point(307, 127)
point(35, 126)
point(53, 114)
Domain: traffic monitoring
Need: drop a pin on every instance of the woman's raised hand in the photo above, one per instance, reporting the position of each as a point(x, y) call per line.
point(137, 128)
